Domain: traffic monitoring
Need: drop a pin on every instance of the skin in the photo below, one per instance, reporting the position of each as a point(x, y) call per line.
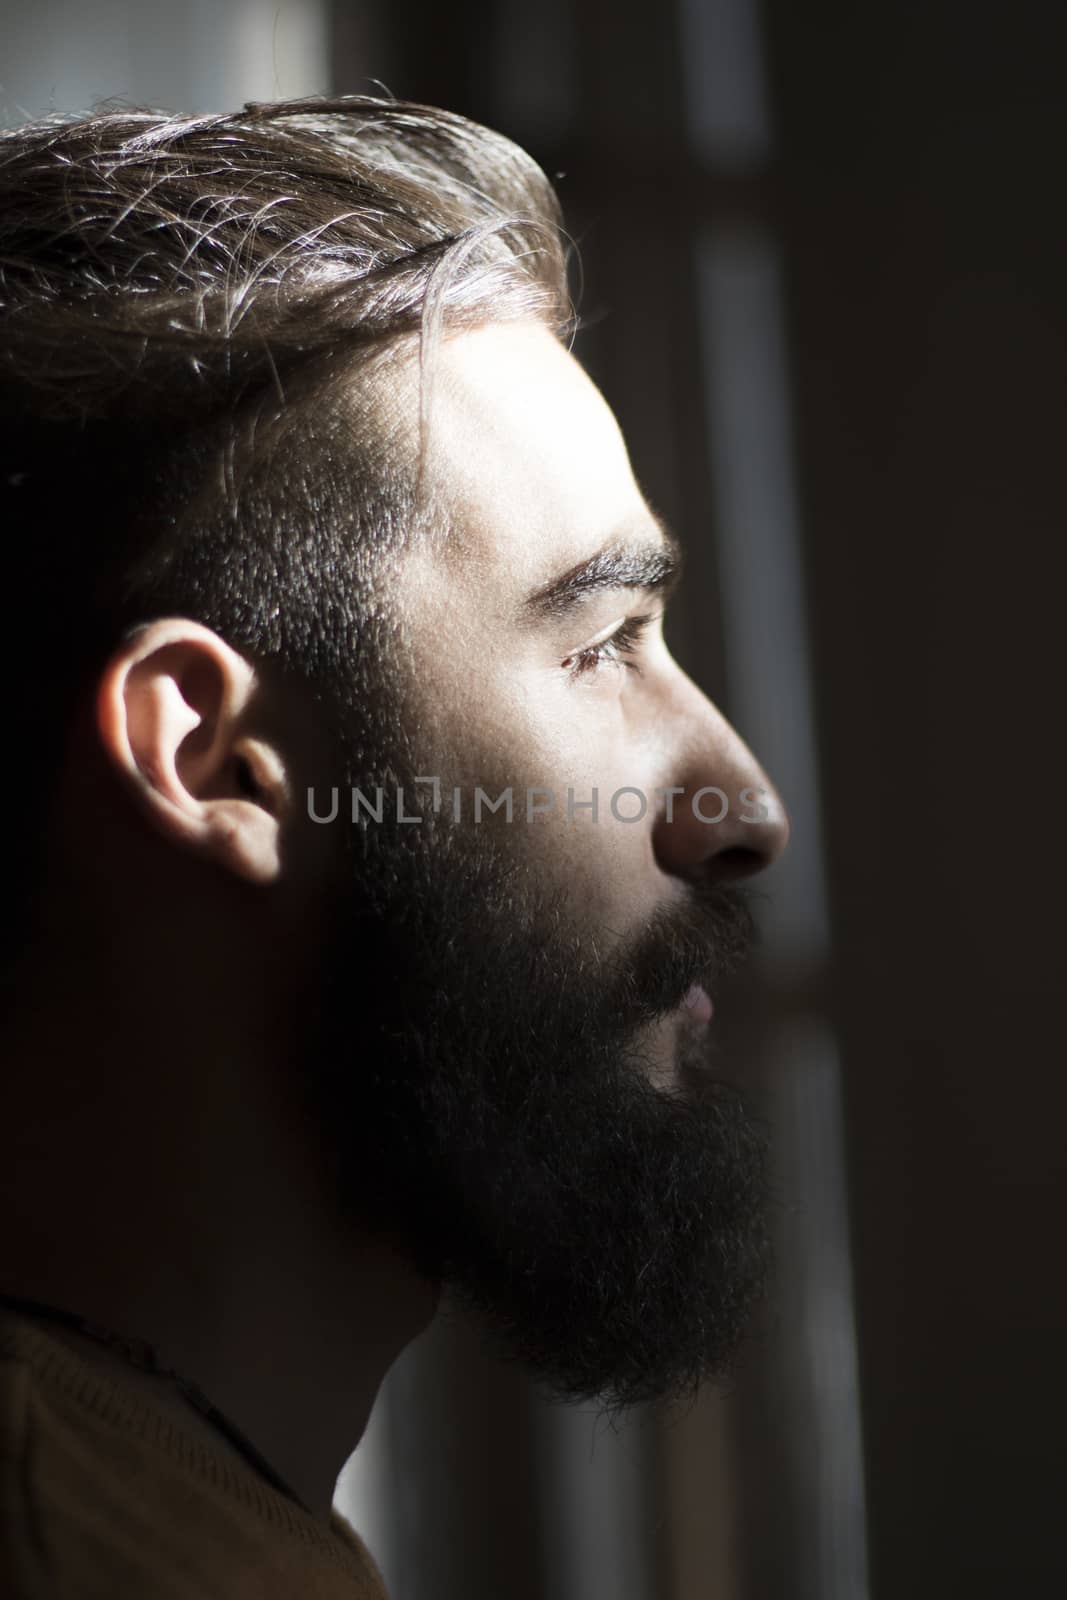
point(186, 914)
point(537, 478)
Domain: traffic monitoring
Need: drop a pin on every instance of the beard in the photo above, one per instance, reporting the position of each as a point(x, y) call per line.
point(483, 1084)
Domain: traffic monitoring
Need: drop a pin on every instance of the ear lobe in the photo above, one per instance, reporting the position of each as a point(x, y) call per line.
point(172, 713)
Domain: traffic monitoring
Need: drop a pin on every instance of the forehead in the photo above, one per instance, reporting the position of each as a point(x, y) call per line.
point(525, 455)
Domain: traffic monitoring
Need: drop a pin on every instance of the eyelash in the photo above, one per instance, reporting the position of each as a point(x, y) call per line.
point(616, 647)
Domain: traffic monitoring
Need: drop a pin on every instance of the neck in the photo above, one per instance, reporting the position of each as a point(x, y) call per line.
point(159, 1181)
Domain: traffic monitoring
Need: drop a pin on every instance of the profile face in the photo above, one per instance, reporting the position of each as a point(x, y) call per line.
point(566, 695)
point(515, 1068)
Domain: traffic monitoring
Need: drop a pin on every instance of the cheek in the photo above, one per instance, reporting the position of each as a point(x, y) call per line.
point(606, 868)
point(610, 743)
point(536, 734)
point(598, 830)
point(587, 752)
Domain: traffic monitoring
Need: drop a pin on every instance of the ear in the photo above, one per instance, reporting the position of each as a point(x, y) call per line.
point(172, 714)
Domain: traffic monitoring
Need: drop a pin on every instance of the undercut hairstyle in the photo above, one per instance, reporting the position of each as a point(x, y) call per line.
point(202, 323)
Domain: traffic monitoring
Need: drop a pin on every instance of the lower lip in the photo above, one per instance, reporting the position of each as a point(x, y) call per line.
point(698, 1003)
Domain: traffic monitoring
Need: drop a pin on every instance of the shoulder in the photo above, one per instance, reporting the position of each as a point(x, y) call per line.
point(101, 1495)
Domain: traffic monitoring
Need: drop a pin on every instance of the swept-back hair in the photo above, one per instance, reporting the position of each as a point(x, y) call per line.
point(177, 261)
point(200, 318)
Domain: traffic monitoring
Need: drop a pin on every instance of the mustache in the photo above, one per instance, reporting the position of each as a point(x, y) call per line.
point(701, 942)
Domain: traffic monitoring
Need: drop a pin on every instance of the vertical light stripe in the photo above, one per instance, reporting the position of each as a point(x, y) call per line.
point(725, 83)
point(815, 1294)
point(202, 55)
point(757, 544)
point(768, 670)
point(365, 1492)
point(597, 1534)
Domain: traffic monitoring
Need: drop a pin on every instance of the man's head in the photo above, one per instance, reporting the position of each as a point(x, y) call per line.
point(363, 542)
point(210, 330)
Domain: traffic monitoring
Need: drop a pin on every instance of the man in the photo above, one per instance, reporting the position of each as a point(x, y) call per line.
point(372, 860)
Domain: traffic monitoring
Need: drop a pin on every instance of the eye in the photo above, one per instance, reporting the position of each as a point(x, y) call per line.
point(617, 647)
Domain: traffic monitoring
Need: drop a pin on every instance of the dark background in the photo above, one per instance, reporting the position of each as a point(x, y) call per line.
point(922, 160)
point(912, 190)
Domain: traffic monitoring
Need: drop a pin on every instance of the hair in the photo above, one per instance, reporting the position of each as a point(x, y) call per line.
point(200, 320)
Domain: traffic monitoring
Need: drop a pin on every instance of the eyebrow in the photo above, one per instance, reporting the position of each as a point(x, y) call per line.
point(622, 564)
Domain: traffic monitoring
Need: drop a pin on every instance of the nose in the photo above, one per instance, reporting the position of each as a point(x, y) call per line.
point(722, 818)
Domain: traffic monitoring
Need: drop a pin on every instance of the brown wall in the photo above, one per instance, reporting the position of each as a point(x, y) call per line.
point(922, 152)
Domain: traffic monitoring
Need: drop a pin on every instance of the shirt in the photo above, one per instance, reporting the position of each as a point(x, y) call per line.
point(105, 1497)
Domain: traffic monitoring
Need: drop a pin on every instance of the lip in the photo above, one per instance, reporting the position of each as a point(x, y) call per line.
point(698, 1004)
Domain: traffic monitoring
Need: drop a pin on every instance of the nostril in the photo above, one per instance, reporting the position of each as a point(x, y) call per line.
point(737, 861)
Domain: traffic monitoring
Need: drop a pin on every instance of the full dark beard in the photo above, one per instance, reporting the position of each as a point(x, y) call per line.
point(482, 1088)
